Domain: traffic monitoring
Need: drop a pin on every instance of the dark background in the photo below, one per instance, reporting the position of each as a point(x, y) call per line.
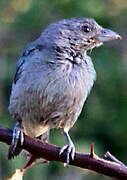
point(104, 117)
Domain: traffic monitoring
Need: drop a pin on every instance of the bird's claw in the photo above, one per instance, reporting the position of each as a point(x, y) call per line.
point(70, 152)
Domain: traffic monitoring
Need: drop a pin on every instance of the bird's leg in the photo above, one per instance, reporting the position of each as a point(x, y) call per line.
point(17, 141)
point(69, 148)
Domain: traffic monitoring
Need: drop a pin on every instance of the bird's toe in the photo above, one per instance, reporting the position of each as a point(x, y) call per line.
point(70, 152)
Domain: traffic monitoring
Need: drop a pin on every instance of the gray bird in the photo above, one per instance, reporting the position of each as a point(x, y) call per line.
point(54, 76)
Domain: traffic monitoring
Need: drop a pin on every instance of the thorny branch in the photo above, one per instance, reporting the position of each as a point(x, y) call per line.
point(110, 167)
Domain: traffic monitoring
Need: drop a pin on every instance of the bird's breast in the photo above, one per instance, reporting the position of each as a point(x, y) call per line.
point(66, 93)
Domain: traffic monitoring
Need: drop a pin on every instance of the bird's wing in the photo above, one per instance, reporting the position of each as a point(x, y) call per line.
point(18, 69)
point(23, 59)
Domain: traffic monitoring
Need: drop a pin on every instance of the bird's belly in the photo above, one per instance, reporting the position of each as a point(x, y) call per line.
point(63, 102)
point(59, 111)
point(58, 105)
point(34, 129)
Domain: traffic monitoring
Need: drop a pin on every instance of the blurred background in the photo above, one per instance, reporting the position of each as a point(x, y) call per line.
point(104, 117)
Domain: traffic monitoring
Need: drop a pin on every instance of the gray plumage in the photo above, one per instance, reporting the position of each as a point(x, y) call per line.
point(53, 78)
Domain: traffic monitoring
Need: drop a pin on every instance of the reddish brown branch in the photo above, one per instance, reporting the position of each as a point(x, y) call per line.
point(51, 153)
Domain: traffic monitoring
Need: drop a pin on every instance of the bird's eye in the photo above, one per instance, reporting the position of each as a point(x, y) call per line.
point(86, 28)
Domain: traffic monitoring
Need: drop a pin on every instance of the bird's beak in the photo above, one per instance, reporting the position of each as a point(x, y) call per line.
point(107, 35)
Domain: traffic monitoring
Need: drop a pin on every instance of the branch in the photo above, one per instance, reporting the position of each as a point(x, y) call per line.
point(87, 161)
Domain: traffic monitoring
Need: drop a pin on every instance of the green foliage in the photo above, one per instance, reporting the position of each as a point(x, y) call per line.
point(104, 117)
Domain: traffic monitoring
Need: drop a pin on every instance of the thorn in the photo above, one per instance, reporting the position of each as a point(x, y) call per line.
point(92, 150)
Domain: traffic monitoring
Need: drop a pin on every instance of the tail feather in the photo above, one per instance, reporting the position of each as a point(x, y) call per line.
point(18, 138)
point(12, 152)
point(17, 141)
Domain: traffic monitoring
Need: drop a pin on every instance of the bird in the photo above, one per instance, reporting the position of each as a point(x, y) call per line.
point(54, 76)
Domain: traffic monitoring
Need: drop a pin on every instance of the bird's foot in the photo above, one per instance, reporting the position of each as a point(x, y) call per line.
point(17, 141)
point(70, 152)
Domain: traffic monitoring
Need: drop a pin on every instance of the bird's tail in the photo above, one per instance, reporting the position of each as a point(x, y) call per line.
point(17, 141)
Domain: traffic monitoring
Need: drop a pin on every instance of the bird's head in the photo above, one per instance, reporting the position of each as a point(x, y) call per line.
point(79, 34)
